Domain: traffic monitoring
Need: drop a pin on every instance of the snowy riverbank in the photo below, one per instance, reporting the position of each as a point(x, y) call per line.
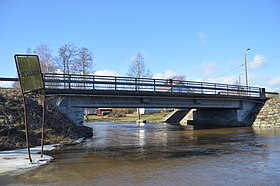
point(13, 160)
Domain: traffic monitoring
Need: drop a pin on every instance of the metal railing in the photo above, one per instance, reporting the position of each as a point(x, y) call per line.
point(110, 83)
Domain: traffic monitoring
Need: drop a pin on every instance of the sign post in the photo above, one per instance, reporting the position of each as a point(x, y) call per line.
point(31, 80)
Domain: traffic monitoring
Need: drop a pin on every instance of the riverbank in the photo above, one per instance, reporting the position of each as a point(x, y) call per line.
point(58, 127)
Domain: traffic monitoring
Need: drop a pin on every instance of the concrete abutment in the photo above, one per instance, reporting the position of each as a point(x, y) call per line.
point(64, 105)
point(243, 116)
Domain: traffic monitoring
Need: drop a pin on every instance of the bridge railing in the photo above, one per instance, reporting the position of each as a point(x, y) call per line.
point(92, 82)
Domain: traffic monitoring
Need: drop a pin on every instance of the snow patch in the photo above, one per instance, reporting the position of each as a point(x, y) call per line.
point(18, 159)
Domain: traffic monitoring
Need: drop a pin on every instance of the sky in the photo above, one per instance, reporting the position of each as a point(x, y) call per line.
point(200, 39)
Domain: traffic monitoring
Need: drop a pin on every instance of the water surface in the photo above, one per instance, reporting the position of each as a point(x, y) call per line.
point(162, 154)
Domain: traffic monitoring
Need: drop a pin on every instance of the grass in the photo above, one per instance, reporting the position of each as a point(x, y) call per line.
point(130, 118)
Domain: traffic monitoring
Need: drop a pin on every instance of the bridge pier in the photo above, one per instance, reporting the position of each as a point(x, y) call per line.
point(176, 116)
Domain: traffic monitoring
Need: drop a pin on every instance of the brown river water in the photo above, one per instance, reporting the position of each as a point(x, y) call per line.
point(162, 154)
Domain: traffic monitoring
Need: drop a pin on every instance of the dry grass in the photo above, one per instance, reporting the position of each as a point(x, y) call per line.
point(130, 118)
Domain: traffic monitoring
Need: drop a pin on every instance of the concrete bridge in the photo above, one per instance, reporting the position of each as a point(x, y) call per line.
point(219, 104)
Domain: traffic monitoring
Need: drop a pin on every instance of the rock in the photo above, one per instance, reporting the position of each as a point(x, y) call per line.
point(269, 115)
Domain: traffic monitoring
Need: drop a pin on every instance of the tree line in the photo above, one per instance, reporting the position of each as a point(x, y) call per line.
point(71, 59)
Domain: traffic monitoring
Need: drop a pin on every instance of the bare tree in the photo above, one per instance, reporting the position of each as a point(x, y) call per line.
point(28, 50)
point(84, 62)
point(66, 58)
point(139, 67)
point(45, 56)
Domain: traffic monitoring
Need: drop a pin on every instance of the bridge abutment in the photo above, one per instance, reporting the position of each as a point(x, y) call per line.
point(76, 114)
point(214, 117)
point(244, 116)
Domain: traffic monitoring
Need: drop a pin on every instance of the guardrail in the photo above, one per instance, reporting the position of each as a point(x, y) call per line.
point(111, 83)
point(272, 94)
point(92, 82)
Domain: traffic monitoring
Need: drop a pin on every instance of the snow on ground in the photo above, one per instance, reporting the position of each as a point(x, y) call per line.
point(18, 159)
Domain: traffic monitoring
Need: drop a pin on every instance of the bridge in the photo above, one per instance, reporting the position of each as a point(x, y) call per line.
point(219, 103)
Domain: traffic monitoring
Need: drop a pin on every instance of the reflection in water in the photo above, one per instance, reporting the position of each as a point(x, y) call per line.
point(141, 137)
point(162, 154)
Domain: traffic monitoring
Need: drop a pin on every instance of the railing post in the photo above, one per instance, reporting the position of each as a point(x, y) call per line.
point(262, 93)
point(69, 81)
point(238, 90)
point(115, 83)
point(227, 90)
point(64, 81)
point(215, 88)
point(135, 84)
point(84, 81)
point(93, 82)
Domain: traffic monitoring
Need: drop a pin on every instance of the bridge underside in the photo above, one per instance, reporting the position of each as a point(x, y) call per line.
point(219, 110)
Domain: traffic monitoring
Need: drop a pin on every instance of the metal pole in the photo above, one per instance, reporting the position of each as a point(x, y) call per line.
point(246, 70)
point(43, 122)
point(26, 126)
point(246, 73)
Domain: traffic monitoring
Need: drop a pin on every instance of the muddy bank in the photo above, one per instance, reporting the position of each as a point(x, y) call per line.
point(58, 127)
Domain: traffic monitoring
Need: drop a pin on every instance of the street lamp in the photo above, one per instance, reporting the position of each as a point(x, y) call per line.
point(246, 73)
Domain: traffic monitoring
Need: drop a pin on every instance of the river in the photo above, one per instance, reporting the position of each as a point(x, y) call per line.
point(162, 154)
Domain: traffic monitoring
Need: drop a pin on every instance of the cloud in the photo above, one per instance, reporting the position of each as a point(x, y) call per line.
point(259, 81)
point(165, 75)
point(258, 62)
point(106, 73)
point(207, 69)
point(202, 37)
point(233, 80)
point(275, 82)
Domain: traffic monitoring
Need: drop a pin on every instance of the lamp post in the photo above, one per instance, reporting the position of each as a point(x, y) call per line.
point(246, 73)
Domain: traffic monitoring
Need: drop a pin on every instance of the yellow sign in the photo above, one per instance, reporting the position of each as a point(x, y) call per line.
point(29, 72)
